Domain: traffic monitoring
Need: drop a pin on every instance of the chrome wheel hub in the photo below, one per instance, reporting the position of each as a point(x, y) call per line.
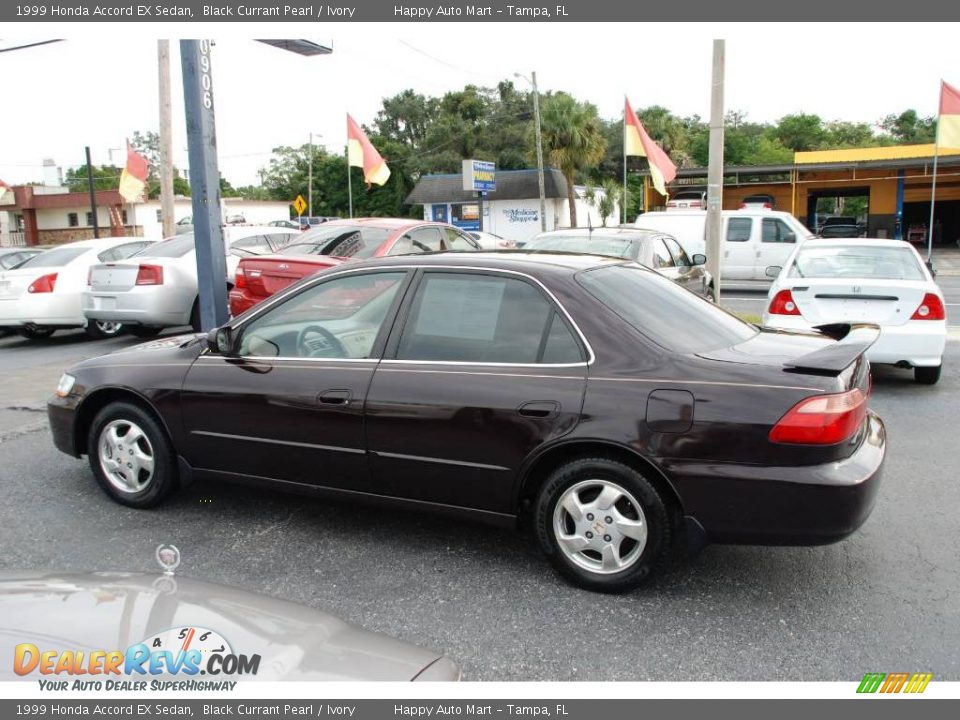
point(107, 327)
point(600, 527)
point(126, 456)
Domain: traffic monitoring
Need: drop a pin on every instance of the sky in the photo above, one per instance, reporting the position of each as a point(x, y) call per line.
point(99, 86)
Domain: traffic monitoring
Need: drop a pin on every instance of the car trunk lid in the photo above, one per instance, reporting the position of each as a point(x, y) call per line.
point(115, 277)
point(857, 300)
point(267, 275)
point(14, 283)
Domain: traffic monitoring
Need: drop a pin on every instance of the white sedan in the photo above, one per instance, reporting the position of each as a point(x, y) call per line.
point(157, 288)
point(884, 282)
point(42, 295)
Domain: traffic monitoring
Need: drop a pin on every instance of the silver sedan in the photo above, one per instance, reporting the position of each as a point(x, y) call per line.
point(157, 288)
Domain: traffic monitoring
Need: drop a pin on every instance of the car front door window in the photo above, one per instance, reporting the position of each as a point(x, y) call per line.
point(339, 318)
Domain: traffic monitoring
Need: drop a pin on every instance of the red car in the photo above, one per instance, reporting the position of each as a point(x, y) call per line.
point(335, 242)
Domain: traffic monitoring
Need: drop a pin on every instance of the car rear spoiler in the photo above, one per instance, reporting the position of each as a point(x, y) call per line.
point(852, 341)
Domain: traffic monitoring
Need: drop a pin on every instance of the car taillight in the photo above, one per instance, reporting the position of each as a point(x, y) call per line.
point(240, 281)
point(150, 275)
point(823, 420)
point(43, 284)
point(930, 309)
point(783, 304)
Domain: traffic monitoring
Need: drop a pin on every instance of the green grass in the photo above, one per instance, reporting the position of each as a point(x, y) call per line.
point(748, 317)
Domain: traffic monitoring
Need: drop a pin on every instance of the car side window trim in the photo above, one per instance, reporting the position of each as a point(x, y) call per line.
point(403, 317)
point(406, 297)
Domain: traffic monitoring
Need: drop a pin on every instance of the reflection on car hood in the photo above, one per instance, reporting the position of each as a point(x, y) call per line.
point(111, 611)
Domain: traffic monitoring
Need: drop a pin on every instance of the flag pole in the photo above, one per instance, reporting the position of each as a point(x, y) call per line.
point(623, 200)
point(349, 182)
point(933, 190)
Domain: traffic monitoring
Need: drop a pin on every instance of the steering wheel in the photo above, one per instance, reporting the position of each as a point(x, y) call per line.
point(323, 344)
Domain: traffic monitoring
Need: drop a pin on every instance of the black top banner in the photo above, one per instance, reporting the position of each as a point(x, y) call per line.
point(861, 12)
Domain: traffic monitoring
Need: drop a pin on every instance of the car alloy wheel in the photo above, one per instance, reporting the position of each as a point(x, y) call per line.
point(99, 329)
point(600, 527)
point(126, 456)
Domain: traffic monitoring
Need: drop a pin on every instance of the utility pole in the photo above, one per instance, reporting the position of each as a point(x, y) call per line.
point(536, 119)
point(715, 168)
point(166, 139)
point(310, 179)
point(93, 196)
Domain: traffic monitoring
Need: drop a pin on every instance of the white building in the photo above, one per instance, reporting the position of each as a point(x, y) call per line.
point(512, 211)
point(51, 215)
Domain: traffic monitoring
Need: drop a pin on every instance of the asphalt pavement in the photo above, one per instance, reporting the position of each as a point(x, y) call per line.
point(886, 599)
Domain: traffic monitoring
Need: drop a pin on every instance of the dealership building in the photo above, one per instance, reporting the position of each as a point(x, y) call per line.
point(895, 181)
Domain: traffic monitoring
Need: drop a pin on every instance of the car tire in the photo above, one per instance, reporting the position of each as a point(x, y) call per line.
point(99, 330)
point(131, 456)
point(35, 333)
point(612, 552)
point(143, 332)
point(927, 375)
point(195, 315)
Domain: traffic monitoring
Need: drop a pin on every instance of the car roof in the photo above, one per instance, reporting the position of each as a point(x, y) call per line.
point(533, 263)
point(856, 242)
point(384, 222)
point(607, 233)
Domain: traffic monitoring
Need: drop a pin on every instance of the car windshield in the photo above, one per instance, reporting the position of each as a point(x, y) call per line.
point(174, 247)
point(580, 244)
point(672, 317)
point(354, 241)
point(857, 261)
point(57, 257)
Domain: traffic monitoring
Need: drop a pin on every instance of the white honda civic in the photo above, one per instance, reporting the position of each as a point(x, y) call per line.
point(884, 282)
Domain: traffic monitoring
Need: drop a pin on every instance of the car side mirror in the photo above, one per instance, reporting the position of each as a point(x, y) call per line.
point(699, 259)
point(773, 271)
point(221, 341)
point(790, 237)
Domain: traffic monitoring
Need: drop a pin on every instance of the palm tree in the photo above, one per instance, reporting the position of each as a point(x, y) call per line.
point(573, 139)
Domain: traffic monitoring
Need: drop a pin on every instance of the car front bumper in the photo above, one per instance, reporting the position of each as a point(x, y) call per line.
point(803, 505)
point(918, 343)
point(148, 305)
point(62, 416)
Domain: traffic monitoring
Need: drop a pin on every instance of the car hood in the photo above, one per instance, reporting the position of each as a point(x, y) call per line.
point(114, 611)
point(173, 349)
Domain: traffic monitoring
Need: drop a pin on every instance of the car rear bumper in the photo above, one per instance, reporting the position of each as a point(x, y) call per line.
point(148, 305)
point(805, 505)
point(919, 343)
point(42, 310)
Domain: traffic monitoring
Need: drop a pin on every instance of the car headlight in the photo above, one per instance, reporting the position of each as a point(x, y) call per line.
point(65, 385)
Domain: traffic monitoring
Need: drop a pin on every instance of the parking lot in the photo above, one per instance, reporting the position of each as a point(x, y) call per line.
point(887, 599)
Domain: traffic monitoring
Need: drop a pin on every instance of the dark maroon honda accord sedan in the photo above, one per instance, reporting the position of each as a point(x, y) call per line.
point(618, 412)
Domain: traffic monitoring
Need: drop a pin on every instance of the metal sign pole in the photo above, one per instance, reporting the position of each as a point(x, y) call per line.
point(204, 183)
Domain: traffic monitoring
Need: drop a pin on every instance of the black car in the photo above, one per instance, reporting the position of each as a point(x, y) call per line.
point(652, 248)
point(592, 397)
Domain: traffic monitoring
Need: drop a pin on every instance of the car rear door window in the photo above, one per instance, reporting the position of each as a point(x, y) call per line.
point(478, 318)
point(455, 240)
point(425, 239)
point(253, 245)
point(739, 229)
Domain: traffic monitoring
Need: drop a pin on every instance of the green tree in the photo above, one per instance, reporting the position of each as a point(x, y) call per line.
point(801, 132)
point(105, 177)
point(572, 139)
point(908, 128)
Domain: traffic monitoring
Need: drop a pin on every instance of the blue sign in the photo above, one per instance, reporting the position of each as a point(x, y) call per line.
point(479, 176)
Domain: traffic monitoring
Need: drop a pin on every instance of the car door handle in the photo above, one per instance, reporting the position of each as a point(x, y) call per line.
point(335, 397)
point(541, 409)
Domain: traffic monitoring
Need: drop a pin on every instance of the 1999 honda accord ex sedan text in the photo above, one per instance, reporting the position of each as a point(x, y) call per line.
point(617, 411)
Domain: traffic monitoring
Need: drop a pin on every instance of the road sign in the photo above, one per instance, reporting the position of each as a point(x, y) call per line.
point(479, 176)
point(299, 204)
